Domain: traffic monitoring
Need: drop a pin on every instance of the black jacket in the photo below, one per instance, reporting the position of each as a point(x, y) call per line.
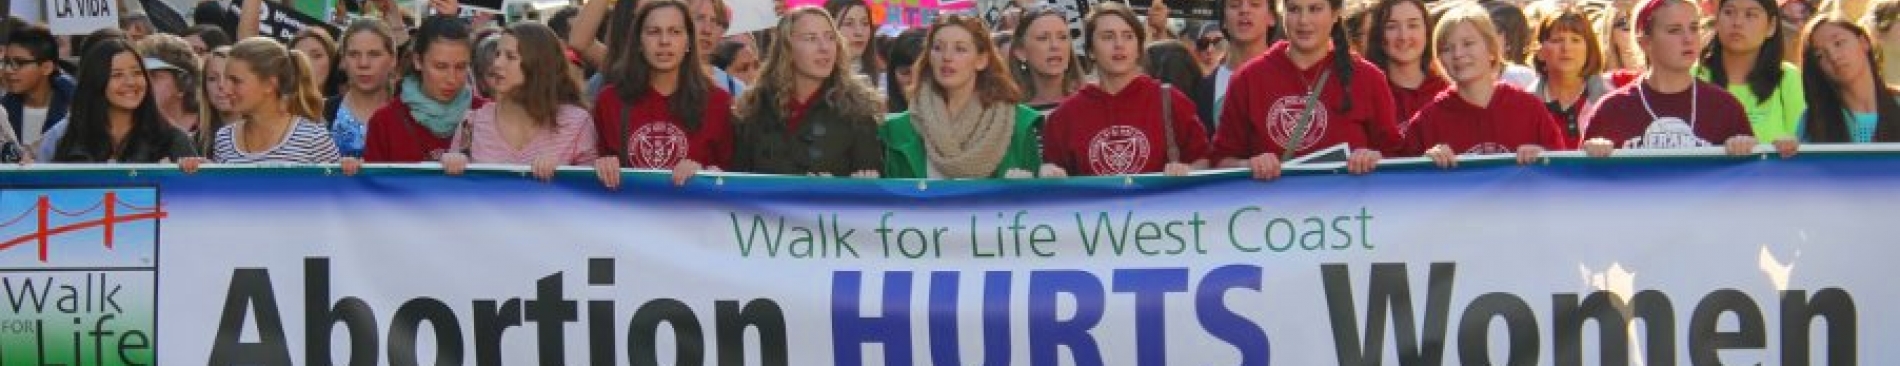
point(828, 141)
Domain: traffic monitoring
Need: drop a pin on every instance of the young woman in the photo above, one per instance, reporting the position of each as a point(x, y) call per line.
point(215, 104)
point(320, 47)
point(1125, 123)
point(1398, 45)
point(1622, 59)
point(1283, 117)
point(272, 87)
point(1745, 57)
point(174, 70)
point(431, 102)
point(1568, 62)
point(964, 121)
point(809, 114)
point(1848, 102)
point(1481, 114)
point(369, 62)
point(661, 113)
point(537, 118)
point(1249, 26)
point(1043, 59)
point(1667, 108)
point(854, 26)
point(125, 127)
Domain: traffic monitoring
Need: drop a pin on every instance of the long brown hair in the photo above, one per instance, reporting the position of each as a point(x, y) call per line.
point(545, 86)
point(1827, 113)
point(633, 75)
point(841, 89)
point(291, 69)
point(210, 119)
point(1375, 37)
point(993, 84)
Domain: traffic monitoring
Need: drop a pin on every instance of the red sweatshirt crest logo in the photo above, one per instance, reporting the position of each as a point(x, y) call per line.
point(1284, 118)
point(1118, 150)
point(657, 145)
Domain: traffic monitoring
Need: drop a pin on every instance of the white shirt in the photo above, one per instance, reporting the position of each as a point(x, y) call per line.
point(32, 122)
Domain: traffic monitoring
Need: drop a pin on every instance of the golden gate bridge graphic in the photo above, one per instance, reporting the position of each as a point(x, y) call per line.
point(116, 212)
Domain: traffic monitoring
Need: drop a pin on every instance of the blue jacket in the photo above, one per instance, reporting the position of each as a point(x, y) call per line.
point(63, 86)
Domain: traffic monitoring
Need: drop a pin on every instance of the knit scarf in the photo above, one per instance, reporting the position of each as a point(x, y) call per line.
point(968, 147)
point(440, 118)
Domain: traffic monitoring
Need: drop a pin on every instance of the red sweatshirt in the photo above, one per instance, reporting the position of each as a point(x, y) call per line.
point(394, 136)
point(1097, 133)
point(1268, 94)
point(1709, 119)
point(659, 139)
point(1513, 118)
point(1409, 101)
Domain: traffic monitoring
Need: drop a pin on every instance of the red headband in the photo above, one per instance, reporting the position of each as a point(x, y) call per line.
point(1646, 13)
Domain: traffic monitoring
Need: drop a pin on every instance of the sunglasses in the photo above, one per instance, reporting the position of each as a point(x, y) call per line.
point(1209, 42)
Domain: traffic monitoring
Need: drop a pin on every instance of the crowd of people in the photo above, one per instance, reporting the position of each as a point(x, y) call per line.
point(661, 84)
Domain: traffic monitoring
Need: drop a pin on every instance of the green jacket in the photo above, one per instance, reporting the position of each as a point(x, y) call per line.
point(1771, 116)
point(904, 155)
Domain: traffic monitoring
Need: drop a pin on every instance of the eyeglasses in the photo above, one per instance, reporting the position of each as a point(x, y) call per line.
point(16, 63)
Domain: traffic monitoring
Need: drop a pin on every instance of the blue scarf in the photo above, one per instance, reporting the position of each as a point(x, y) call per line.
point(440, 118)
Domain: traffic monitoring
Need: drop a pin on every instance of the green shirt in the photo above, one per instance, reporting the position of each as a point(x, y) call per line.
point(904, 155)
point(1776, 116)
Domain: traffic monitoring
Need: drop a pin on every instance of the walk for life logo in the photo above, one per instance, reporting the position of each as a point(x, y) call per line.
point(78, 275)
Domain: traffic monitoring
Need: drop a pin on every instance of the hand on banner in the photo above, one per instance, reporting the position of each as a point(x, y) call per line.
point(1598, 147)
point(1053, 171)
point(1265, 166)
point(1177, 169)
point(351, 165)
point(865, 174)
point(1363, 161)
point(1787, 147)
point(1528, 154)
point(454, 163)
point(543, 168)
point(1014, 173)
point(685, 171)
point(1740, 145)
point(190, 165)
point(1442, 155)
point(607, 168)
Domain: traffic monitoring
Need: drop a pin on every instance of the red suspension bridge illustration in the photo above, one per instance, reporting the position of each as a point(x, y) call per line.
point(43, 209)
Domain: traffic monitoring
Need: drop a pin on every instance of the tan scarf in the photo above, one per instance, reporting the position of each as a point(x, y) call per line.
point(969, 147)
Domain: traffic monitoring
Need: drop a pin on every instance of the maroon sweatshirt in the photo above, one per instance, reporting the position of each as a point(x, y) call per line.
point(658, 138)
point(1267, 96)
point(1512, 119)
point(1678, 121)
point(1097, 133)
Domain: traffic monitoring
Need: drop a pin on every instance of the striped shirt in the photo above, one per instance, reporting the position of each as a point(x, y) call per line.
point(306, 143)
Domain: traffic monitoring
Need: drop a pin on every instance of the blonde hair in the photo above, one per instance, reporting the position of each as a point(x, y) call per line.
point(841, 89)
point(271, 60)
point(1480, 20)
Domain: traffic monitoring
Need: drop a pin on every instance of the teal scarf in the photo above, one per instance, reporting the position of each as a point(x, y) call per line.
point(440, 118)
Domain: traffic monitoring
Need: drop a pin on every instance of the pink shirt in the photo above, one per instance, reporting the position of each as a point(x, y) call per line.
point(571, 142)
